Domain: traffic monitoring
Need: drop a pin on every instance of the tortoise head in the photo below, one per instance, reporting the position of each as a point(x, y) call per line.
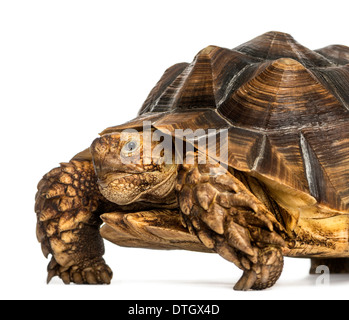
point(131, 168)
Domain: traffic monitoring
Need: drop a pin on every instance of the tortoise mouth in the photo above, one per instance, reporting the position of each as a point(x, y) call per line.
point(113, 177)
point(124, 188)
point(126, 182)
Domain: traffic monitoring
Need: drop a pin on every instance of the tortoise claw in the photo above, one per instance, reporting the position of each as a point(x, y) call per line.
point(247, 281)
point(264, 273)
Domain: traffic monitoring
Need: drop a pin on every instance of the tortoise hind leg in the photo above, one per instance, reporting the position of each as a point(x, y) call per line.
point(67, 206)
point(335, 265)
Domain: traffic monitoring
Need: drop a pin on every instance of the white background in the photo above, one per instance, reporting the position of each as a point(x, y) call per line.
point(69, 69)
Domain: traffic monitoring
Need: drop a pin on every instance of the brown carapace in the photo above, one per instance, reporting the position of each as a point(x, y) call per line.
point(282, 188)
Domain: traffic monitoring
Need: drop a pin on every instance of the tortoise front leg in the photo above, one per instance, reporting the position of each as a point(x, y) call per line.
point(67, 206)
point(229, 219)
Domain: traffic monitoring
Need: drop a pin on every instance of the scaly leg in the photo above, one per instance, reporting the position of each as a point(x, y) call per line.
point(229, 219)
point(68, 204)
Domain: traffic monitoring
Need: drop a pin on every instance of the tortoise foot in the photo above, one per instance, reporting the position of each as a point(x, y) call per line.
point(88, 272)
point(264, 273)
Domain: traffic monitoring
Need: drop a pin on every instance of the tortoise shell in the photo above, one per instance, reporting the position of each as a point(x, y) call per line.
point(286, 109)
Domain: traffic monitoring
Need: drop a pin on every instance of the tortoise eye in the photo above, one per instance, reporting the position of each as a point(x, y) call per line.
point(130, 147)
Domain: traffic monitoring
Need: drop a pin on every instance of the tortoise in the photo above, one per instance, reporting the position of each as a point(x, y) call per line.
point(275, 185)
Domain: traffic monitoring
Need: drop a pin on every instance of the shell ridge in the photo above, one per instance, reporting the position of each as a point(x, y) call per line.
point(213, 81)
point(271, 105)
point(272, 161)
point(271, 45)
point(232, 81)
point(166, 80)
point(314, 169)
point(176, 86)
point(338, 54)
point(331, 88)
point(201, 91)
point(261, 152)
point(308, 166)
point(297, 53)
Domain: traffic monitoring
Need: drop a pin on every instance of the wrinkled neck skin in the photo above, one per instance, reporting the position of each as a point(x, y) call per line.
point(170, 202)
